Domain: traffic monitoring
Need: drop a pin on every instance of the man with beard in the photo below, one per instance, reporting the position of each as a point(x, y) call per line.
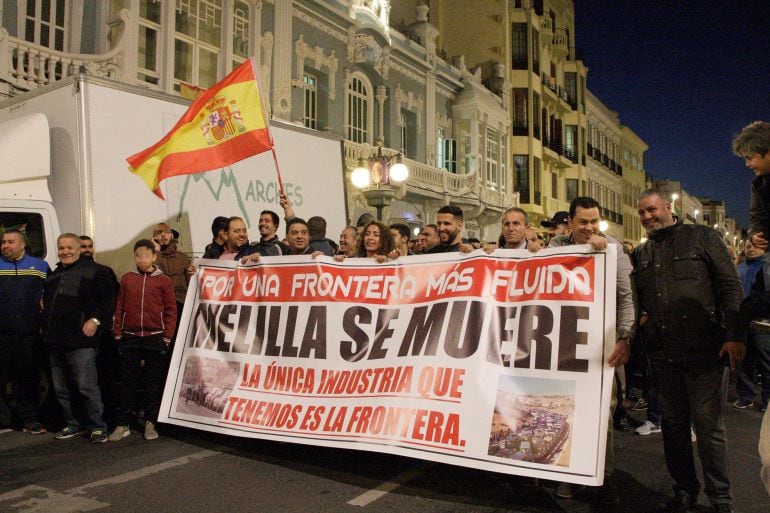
point(689, 288)
point(449, 220)
point(174, 264)
point(107, 358)
point(269, 244)
point(21, 286)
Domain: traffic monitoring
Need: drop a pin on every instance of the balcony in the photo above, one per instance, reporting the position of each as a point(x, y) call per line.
point(432, 182)
point(560, 43)
point(29, 66)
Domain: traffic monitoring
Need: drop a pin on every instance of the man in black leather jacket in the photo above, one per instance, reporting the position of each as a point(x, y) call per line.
point(689, 287)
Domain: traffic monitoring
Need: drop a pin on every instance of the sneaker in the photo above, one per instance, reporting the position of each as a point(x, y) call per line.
point(742, 404)
point(98, 436)
point(648, 428)
point(638, 405)
point(68, 432)
point(119, 434)
point(622, 424)
point(149, 431)
point(680, 503)
point(565, 491)
point(608, 494)
point(34, 428)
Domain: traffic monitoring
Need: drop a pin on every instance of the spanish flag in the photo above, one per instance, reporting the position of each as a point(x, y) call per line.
point(224, 125)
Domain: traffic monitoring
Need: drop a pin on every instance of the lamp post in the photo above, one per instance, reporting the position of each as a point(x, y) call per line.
point(375, 175)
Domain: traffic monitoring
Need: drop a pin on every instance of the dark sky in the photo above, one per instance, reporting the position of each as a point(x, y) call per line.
point(685, 76)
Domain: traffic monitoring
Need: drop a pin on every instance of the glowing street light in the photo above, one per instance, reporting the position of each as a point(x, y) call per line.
point(603, 225)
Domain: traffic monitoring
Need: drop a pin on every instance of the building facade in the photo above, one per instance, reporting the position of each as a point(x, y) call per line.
point(341, 67)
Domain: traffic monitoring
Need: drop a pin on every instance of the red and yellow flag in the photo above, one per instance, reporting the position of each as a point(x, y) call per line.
point(224, 125)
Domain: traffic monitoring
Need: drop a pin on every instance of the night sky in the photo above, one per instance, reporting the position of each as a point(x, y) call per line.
point(685, 79)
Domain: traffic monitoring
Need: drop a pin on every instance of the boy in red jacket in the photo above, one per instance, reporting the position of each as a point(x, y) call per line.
point(145, 316)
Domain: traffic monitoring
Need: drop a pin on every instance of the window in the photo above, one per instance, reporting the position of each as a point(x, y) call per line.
point(519, 110)
point(149, 41)
point(491, 161)
point(241, 30)
point(503, 174)
point(310, 117)
point(408, 125)
point(572, 189)
point(570, 148)
point(404, 123)
point(535, 118)
point(536, 180)
point(32, 226)
point(535, 51)
point(555, 185)
point(358, 107)
point(44, 23)
point(519, 45)
point(446, 152)
point(197, 42)
point(440, 147)
point(521, 175)
point(570, 85)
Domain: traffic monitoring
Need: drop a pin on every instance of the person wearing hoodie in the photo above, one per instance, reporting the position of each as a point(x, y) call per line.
point(145, 317)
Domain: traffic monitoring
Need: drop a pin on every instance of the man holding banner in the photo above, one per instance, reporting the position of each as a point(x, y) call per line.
point(689, 287)
point(584, 217)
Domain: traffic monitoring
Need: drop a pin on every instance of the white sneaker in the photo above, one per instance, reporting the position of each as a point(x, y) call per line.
point(119, 434)
point(648, 428)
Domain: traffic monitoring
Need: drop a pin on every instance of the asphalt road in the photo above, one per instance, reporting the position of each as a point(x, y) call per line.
point(191, 471)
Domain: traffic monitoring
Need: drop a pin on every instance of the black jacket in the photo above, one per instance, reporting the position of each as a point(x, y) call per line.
point(689, 287)
point(72, 295)
point(759, 206)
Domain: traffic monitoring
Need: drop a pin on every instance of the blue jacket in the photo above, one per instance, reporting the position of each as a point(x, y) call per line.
point(748, 270)
point(21, 288)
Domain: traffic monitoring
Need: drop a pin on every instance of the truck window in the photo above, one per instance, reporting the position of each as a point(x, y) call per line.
point(32, 226)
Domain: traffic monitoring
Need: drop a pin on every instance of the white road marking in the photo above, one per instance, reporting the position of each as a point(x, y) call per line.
point(38, 499)
point(372, 495)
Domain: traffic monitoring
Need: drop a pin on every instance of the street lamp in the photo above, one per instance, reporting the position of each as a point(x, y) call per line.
point(603, 226)
point(695, 215)
point(375, 175)
point(674, 197)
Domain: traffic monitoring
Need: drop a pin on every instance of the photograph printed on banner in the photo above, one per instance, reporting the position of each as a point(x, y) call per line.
point(533, 420)
point(206, 385)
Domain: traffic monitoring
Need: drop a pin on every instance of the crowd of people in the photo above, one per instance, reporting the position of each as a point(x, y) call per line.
point(685, 310)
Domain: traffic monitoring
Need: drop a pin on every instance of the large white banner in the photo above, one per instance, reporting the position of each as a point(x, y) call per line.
point(496, 362)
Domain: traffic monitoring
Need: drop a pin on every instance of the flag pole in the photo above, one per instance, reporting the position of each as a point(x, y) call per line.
point(267, 124)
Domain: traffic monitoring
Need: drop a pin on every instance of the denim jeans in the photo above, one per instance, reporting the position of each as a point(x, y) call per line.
point(690, 393)
point(757, 361)
point(75, 382)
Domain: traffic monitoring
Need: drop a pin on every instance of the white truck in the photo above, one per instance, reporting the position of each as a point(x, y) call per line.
point(64, 170)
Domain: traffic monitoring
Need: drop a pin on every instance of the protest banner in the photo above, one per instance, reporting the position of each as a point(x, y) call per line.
point(496, 362)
